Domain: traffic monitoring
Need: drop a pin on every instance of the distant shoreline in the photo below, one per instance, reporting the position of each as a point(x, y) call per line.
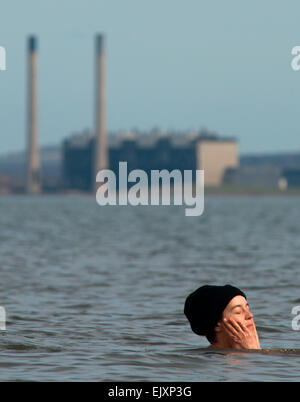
point(225, 191)
point(244, 191)
point(208, 191)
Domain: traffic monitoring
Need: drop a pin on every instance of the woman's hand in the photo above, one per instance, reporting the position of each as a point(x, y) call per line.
point(242, 337)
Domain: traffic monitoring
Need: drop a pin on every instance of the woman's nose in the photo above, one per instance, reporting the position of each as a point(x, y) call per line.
point(249, 315)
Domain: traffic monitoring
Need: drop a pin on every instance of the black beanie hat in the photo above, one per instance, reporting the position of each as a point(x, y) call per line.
point(204, 307)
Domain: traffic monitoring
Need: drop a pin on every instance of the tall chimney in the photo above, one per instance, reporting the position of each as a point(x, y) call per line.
point(33, 184)
point(100, 150)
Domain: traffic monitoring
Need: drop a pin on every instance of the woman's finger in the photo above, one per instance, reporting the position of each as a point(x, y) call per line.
point(230, 328)
point(237, 326)
point(242, 327)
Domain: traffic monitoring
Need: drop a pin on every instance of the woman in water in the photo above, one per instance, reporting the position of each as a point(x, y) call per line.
point(221, 313)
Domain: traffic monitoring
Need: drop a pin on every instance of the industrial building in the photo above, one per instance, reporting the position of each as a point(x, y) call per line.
point(291, 177)
point(83, 155)
point(185, 151)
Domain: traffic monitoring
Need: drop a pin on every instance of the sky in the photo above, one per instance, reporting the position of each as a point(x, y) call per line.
point(173, 64)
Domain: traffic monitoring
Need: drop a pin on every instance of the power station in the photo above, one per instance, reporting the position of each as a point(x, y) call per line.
point(83, 156)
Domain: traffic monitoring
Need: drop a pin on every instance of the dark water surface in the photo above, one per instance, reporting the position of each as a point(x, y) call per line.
point(96, 293)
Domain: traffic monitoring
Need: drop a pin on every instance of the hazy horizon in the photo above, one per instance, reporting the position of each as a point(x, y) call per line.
point(223, 66)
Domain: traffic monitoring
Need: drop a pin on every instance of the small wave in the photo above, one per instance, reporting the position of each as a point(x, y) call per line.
point(296, 300)
point(268, 329)
point(281, 351)
point(19, 347)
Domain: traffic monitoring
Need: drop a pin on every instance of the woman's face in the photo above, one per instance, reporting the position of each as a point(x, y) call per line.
point(238, 308)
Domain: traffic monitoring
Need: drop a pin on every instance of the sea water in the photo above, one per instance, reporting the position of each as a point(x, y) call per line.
point(97, 293)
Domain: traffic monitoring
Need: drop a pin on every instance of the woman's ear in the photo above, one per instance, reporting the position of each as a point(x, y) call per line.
point(218, 327)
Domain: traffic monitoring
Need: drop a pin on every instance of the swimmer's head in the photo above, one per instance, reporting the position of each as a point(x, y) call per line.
point(204, 308)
